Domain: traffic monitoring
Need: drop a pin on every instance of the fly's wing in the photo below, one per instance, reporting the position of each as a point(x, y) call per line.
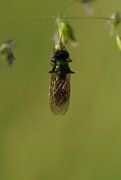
point(59, 93)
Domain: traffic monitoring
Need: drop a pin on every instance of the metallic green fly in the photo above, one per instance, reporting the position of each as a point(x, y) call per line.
point(59, 94)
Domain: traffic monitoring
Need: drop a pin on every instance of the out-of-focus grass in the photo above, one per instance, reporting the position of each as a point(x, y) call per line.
point(85, 142)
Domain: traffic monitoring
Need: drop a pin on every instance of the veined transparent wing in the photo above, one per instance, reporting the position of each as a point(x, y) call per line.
point(59, 94)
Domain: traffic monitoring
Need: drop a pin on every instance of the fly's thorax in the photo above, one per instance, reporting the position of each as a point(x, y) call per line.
point(60, 61)
point(62, 66)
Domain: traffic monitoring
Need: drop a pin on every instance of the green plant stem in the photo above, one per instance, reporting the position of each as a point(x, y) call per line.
point(55, 17)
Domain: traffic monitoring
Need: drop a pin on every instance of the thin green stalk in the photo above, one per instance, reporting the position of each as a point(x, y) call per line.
point(55, 17)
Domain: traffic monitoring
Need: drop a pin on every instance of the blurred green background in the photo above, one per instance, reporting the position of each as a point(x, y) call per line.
point(85, 143)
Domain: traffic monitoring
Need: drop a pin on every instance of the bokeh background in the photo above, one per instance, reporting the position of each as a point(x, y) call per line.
point(85, 143)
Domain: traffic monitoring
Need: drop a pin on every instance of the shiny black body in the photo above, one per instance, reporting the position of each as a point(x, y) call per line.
point(60, 81)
